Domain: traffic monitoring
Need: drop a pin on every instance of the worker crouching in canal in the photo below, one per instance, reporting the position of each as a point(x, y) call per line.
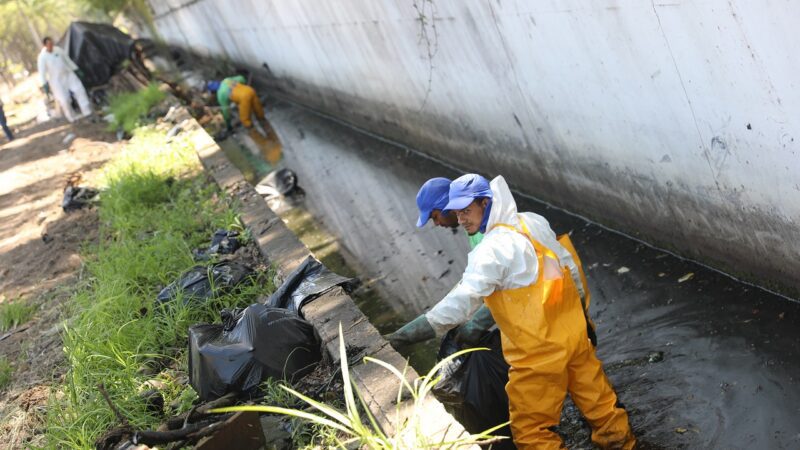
point(537, 306)
point(234, 89)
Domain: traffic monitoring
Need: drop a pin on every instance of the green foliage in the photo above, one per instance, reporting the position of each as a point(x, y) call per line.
point(130, 107)
point(6, 373)
point(156, 206)
point(26, 22)
point(15, 313)
point(355, 427)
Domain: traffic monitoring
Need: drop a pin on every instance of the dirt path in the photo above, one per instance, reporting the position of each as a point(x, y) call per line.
point(39, 250)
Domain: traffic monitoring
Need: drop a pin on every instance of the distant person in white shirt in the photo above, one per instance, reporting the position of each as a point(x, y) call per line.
point(57, 73)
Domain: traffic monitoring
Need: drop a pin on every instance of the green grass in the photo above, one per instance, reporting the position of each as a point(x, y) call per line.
point(155, 208)
point(15, 313)
point(6, 373)
point(130, 107)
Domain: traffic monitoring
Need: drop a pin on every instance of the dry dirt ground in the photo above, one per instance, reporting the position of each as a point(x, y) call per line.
point(39, 248)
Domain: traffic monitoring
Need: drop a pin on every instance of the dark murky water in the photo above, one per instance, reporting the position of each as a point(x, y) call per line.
point(699, 360)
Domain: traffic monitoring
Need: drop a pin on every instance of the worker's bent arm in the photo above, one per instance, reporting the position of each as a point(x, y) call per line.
point(487, 267)
point(223, 98)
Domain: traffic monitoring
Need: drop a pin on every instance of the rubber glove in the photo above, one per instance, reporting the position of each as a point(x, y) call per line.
point(417, 330)
point(471, 332)
point(46, 88)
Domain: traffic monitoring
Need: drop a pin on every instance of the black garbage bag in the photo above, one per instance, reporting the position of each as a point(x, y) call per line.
point(223, 242)
point(76, 197)
point(201, 283)
point(98, 49)
point(254, 344)
point(306, 283)
point(473, 386)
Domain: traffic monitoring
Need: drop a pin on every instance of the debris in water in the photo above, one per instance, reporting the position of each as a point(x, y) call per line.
point(781, 316)
point(661, 275)
point(681, 430)
point(686, 277)
point(655, 357)
point(622, 270)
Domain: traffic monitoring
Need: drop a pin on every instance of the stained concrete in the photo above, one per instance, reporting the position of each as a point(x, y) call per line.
point(674, 121)
point(731, 352)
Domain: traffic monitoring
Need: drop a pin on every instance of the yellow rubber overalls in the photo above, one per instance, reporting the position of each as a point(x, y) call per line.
point(545, 341)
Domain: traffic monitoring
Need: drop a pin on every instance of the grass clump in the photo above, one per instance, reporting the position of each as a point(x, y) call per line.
point(130, 107)
point(155, 208)
point(15, 313)
point(6, 373)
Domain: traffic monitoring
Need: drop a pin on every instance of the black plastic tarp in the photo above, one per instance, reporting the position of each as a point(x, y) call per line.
point(98, 49)
point(305, 283)
point(473, 386)
point(252, 345)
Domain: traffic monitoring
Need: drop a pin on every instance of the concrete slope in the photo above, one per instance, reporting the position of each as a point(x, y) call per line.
point(674, 121)
point(731, 352)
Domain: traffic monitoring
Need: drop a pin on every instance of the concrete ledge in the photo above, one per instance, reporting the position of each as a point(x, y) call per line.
point(281, 248)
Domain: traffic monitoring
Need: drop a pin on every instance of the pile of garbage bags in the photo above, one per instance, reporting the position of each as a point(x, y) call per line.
point(262, 341)
point(251, 345)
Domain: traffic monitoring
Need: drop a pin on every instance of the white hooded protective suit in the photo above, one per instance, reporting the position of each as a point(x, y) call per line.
point(58, 70)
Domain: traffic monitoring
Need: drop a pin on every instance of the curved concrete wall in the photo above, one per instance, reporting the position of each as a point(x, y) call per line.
point(675, 121)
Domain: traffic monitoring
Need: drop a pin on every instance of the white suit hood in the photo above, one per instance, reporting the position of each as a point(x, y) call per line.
point(504, 208)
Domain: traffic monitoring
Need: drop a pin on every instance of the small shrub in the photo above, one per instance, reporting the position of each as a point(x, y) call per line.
point(130, 107)
point(6, 371)
point(14, 313)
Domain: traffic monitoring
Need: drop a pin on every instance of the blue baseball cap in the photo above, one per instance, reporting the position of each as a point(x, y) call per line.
point(213, 85)
point(465, 189)
point(432, 195)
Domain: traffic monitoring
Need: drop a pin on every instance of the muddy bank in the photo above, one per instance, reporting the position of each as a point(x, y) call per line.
point(698, 359)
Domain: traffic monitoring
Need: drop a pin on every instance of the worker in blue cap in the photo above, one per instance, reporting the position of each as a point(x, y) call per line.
point(431, 200)
point(539, 309)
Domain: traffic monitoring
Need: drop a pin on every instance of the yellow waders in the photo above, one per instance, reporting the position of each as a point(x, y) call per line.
point(545, 342)
point(247, 99)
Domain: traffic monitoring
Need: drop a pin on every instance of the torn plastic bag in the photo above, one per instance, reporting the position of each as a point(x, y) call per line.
point(223, 242)
point(254, 344)
point(202, 283)
point(76, 197)
point(473, 386)
point(278, 182)
point(306, 283)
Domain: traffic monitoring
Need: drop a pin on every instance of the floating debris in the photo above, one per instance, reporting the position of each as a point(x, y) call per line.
point(686, 277)
point(622, 270)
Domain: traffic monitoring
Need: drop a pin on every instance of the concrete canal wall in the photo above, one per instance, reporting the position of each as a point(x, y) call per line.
point(674, 121)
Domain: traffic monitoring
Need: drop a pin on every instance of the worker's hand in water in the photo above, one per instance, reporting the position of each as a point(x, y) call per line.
point(46, 88)
point(417, 330)
point(471, 332)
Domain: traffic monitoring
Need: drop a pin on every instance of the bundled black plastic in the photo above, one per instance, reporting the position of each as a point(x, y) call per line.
point(98, 49)
point(202, 283)
point(76, 197)
point(223, 242)
point(305, 283)
point(473, 386)
point(254, 344)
